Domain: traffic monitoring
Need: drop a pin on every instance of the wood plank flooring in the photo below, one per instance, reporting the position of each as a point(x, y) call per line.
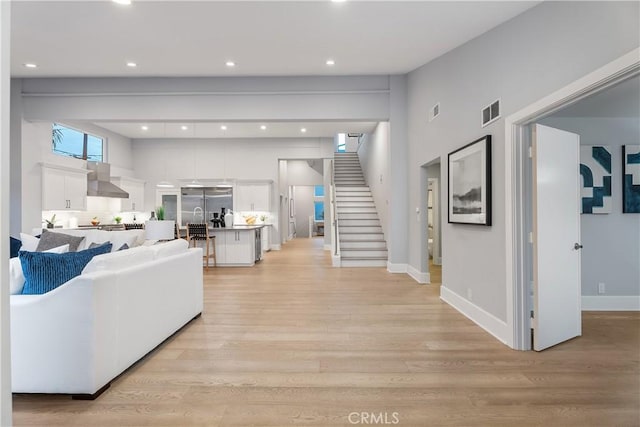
point(293, 341)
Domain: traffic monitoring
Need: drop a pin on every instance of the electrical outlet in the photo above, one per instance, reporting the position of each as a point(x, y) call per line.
point(602, 289)
point(469, 294)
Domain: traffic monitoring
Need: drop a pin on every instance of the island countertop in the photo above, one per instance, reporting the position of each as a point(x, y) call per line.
point(237, 228)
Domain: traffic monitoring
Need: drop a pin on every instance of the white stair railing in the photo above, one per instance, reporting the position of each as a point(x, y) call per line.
point(335, 235)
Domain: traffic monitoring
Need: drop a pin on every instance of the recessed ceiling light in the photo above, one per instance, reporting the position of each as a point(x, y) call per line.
point(263, 127)
point(303, 130)
point(338, 1)
point(184, 127)
point(223, 127)
point(30, 65)
point(125, 2)
point(330, 62)
point(132, 64)
point(230, 64)
point(144, 127)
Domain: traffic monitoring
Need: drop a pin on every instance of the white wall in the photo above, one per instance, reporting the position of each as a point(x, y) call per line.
point(611, 252)
point(301, 172)
point(16, 158)
point(36, 148)
point(520, 61)
point(303, 196)
point(374, 159)
point(217, 159)
point(5, 348)
point(399, 212)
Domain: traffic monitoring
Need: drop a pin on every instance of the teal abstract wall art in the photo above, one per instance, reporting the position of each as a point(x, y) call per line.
point(595, 170)
point(631, 179)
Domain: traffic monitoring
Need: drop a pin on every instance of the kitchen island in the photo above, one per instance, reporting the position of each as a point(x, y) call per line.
point(238, 246)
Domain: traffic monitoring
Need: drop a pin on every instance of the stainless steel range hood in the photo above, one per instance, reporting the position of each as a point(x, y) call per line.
point(99, 182)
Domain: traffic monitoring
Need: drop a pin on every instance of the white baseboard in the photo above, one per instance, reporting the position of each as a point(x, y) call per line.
point(327, 247)
point(610, 303)
point(335, 261)
point(480, 317)
point(396, 268)
point(417, 275)
point(276, 247)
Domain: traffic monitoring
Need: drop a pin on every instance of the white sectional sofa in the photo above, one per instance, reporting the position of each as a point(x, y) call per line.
point(77, 338)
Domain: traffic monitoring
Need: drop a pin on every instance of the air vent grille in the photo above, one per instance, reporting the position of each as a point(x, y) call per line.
point(434, 112)
point(491, 113)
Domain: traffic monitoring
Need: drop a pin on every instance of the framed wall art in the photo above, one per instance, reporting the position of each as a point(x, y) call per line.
point(595, 172)
point(631, 179)
point(470, 183)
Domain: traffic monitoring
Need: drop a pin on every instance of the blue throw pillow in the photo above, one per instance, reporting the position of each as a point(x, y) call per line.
point(43, 272)
point(16, 244)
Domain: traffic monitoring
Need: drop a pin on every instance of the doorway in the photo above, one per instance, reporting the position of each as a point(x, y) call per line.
point(431, 227)
point(519, 215)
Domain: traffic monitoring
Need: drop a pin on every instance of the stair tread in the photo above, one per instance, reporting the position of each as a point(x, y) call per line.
point(363, 257)
point(363, 249)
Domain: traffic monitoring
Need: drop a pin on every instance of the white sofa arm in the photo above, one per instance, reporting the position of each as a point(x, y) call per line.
point(64, 341)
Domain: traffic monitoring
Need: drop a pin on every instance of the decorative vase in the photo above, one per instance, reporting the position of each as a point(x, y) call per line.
point(228, 219)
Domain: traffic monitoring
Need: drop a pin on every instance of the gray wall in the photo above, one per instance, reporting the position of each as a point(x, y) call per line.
point(526, 58)
point(374, 159)
point(611, 252)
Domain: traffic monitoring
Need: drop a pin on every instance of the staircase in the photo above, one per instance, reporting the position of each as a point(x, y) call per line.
point(361, 239)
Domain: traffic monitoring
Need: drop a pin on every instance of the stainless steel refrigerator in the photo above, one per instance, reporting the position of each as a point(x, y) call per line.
point(200, 204)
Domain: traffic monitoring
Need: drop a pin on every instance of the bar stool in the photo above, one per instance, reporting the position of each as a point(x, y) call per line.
point(134, 226)
point(177, 233)
point(200, 232)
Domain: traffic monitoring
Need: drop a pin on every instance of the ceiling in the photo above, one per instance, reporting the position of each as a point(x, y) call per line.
point(184, 38)
point(237, 129)
point(621, 100)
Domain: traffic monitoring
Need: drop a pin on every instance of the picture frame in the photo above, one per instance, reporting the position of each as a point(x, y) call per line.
point(631, 178)
point(469, 183)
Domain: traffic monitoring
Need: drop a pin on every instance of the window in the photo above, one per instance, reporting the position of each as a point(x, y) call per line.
point(74, 143)
point(318, 211)
point(318, 193)
point(342, 143)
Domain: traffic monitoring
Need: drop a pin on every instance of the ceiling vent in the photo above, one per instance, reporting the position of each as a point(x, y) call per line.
point(434, 112)
point(491, 113)
point(354, 135)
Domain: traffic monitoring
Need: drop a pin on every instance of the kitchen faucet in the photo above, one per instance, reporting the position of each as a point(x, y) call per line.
point(196, 215)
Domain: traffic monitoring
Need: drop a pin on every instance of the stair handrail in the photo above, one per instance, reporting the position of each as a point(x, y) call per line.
point(335, 236)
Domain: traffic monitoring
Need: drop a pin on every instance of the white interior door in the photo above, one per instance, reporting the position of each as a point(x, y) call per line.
point(556, 237)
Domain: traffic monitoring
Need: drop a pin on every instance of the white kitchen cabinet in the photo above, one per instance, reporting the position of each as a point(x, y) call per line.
point(135, 188)
point(253, 197)
point(266, 230)
point(63, 188)
point(235, 247)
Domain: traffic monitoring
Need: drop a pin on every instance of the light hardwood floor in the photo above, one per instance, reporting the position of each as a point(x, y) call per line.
point(293, 341)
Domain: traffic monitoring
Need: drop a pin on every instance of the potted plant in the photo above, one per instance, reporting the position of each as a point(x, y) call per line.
point(117, 219)
point(158, 228)
point(95, 221)
point(50, 222)
point(160, 213)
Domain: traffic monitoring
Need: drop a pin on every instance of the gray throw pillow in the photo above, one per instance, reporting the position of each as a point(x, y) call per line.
point(94, 245)
point(50, 240)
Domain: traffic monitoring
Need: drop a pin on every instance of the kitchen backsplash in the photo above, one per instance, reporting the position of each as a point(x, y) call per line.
point(105, 209)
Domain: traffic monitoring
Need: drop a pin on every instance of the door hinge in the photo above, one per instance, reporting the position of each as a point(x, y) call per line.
point(531, 152)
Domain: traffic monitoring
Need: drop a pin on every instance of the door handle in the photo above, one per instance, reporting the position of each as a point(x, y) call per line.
point(577, 246)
